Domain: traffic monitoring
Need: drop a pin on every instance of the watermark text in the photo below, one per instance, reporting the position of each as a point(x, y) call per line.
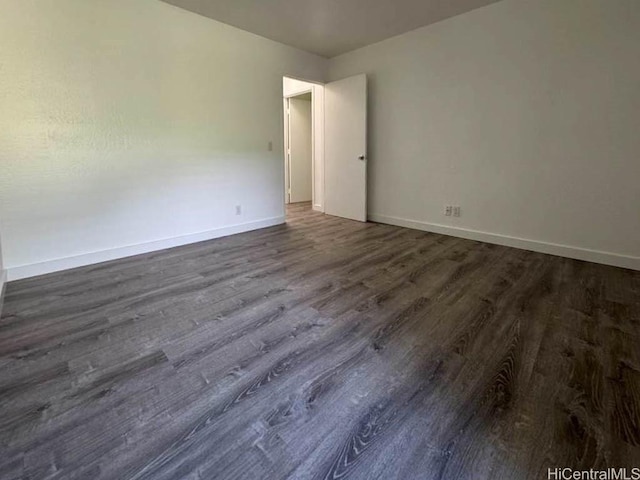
point(606, 474)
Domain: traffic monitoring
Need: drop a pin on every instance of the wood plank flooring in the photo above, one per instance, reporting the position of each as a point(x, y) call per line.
point(324, 349)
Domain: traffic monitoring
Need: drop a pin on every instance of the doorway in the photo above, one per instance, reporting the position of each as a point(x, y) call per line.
point(337, 163)
point(303, 104)
point(299, 149)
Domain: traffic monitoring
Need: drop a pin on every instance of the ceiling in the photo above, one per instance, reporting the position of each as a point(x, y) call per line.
point(329, 27)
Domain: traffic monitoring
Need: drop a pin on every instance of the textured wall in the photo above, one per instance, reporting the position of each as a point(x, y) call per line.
point(129, 121)
point(525, 113)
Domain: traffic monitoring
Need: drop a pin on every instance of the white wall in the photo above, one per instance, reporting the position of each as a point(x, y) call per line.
point(129, 125)
point(292, 87)
point(524, 113)
point(300, 142)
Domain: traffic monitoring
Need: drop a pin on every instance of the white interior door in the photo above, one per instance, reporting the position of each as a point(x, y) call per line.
point(346, 148)
point(300, 150)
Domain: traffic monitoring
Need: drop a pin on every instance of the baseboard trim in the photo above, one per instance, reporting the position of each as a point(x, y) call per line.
point(3, 284)
point(577, 253)
point(35, 269)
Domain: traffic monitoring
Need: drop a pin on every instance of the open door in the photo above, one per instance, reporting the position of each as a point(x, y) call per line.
point(346, 148)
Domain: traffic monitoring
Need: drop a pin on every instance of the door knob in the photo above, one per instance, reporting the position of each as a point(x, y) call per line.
point(361, 157)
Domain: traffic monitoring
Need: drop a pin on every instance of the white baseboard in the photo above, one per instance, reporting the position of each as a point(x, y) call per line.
point(595, 256)
point(3, 283)
point(35, 269)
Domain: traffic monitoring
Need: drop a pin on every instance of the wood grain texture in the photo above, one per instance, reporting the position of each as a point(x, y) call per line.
point(325, 349)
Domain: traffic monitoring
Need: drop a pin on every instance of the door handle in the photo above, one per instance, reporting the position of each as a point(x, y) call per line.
point(362, 157)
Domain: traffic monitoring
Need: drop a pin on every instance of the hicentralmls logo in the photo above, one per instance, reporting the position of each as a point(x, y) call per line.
point(608, 474)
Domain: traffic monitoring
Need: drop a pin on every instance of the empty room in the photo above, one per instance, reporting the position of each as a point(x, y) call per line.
point(319, 239)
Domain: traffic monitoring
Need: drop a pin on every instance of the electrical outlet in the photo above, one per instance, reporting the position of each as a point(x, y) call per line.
point(238, 209)
point(456, 211)
point(270, 147)
point(448, 210)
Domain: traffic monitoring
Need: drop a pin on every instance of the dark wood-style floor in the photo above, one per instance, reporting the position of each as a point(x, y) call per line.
point(321, 349)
